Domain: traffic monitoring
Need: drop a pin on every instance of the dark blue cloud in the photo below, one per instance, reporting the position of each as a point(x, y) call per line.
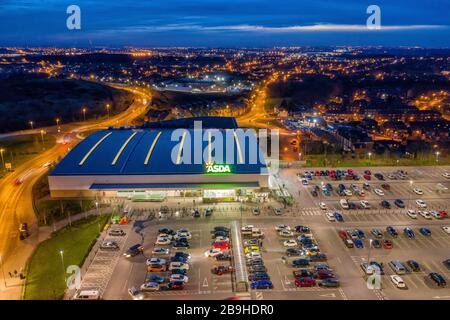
point(224, 23)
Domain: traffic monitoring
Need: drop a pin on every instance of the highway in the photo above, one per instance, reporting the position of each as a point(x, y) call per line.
point(16, 200)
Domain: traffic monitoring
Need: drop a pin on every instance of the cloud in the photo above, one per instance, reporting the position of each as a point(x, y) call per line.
point(323, 27)
point(319, 27)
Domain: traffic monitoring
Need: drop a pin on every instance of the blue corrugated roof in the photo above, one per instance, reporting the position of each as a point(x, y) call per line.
point(97, 158)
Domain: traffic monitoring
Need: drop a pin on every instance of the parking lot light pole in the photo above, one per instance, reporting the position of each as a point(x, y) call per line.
point(96, 206)
point(61, 253)
point(411, 197)
point(368, 255)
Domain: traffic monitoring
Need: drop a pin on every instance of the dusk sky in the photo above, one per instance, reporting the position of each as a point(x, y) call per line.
point(224, 23)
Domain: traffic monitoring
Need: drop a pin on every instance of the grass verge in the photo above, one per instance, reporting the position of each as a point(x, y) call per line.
point(45, 276)
point(19, 149)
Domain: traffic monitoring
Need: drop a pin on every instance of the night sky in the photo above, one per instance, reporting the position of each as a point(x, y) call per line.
point(224, 23)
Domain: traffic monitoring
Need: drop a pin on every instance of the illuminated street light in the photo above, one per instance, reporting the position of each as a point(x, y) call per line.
point(84, 113)
point(107, 108)
point(61, 253)
point(369, 154)
point(42, 135)
point(3, 160)
point(437, 156)
point(31, 124)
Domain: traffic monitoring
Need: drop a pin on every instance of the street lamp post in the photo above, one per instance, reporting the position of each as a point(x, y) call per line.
point(3, 160)
point(411, 197)
point(107, 108)
point(370, 155)
point(61, 253)
point(96, 206)
point(437, 156)
point(84, 113)
point(42, 135)
point(31, 124)
point(368, 254)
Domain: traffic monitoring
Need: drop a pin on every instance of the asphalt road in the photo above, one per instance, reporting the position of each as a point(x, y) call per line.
point(16, 200)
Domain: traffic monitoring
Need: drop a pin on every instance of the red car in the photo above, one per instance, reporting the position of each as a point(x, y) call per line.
point(317, 174)
point(387, 244)
point(367, 177)
point(443, 214)
point(305, 282)
point(350, 172)
point(221, 245)
point(342, 234)
point(220, 270)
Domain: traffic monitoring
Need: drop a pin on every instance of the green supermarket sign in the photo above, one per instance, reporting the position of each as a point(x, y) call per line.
point(217, 168)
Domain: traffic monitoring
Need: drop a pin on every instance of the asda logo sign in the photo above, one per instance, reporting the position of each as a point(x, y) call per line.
point(217, 168)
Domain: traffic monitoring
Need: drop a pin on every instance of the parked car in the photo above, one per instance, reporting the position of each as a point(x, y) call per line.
point(305, 282)
point(258, 276)
point(399, 203)
point(330, 283)
point(438, 279)
point(425, 231)
point(219, 270)
point(109, 245)
point(409, 232)
point(413, 265)
point(261, 284)
point(398, 281)
point(116, 232)
point(160, 251)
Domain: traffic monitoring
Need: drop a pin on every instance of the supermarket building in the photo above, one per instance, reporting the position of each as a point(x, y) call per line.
point(160, 160)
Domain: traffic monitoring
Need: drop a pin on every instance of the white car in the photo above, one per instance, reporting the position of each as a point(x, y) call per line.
point(186, 235)
point(412, 214)
point(344, 204)
point(282, 227)
point(252, 255)
point(165, 235)
point(163, 241)
point(213, 252)
point(379, 192)
point(150, 286)
point(425, 214)
point(159, 250)
point(446, 175)
point(248, 227)
point(330, 216)
point(155, 261)
point(348, 193)
point(290, 243)
point(178, 277)
point(418, 191)
point(221, 239)
point(398, 281)
point(178, 265)
point(421, 203)
point(446, 229)
point(322, 205)
point(365, 204)
point(285, 233)
point(435, 214)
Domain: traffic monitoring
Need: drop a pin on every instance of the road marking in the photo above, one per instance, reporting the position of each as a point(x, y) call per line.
point(328, 295)
point(205, 283)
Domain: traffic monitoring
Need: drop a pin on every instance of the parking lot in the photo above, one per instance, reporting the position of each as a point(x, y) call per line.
point(428, 251)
